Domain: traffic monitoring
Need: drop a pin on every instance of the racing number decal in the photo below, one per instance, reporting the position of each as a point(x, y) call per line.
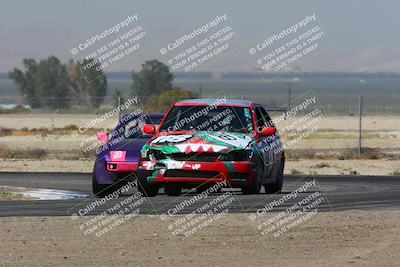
point(171, 139)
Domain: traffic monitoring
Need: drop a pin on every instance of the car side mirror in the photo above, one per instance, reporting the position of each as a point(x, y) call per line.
point(103, 137)
point(149, 129)
point(268, 131)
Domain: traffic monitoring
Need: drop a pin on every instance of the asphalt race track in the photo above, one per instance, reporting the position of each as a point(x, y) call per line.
point(341, 193)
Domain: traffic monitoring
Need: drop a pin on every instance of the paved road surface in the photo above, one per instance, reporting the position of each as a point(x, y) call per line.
point(339, 192)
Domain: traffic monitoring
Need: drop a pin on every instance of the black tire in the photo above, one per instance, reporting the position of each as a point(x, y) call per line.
point(255, 186)
point(172, 189)
point(100, 190)
point(273, 188)
point(200, 189)
point(148, 190)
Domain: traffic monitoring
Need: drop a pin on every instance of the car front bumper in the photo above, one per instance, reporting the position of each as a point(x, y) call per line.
point(237, 173)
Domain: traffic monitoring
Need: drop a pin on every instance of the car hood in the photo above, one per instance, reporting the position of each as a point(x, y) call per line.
point(185, 142)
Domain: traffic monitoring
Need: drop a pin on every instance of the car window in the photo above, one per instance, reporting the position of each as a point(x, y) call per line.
point(259, 117)
point(129, 127)
point(132, 129)
point(267, 118)
point(208, 118)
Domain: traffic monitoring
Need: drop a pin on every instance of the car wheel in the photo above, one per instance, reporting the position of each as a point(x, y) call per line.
point(272, 188)
point(144, 187)
point(255, 186)
point(172, 189)
point(204, 187)
point(100, 190)
point(201, 188)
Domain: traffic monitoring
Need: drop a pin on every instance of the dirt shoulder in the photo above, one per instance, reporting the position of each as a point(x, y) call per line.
point(303, 166)
point(343, 167)
point(329, 239)
point(46, 165)
point(13, 193)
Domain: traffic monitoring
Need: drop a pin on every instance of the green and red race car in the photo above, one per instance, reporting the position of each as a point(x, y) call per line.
point(201, 142)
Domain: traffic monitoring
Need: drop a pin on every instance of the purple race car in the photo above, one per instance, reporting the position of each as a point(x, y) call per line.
point(118, 157)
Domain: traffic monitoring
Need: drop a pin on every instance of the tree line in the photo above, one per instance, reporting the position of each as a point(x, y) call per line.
point(45, 82)
point(50, 83)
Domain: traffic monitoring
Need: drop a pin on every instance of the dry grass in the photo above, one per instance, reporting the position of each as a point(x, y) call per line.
point(12, 193)
point(67, 130)
point(345, 167)
point(353, 172)
point(396, 172)
point(38, 153)
point(18, 110)
point(321, 165)
point(74, 153)
point(295, 172)
point(11, 196)
point(344, 154)
point(335, 139)
point(338, 135)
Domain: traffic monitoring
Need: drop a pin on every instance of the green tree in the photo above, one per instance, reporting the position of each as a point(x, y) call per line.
point(43, 83)
point(88, 84)
point(153, 79)
point(26, 81)
point(162, 102)
point(51, 83)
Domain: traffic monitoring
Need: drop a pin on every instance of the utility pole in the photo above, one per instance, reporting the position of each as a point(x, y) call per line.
point(289, 84)
point(119, 107)
point(360, 107)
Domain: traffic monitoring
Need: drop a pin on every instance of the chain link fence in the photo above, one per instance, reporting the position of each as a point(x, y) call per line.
point(58, 132)
point(333, 105)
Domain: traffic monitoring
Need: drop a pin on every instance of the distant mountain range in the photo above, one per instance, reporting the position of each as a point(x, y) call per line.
point(34, 42)
point(373, 60)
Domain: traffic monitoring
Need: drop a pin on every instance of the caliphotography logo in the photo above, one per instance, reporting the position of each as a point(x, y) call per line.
point(281, 50)
point(200, 44)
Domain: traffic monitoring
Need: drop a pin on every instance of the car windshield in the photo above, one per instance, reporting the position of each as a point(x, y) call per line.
point(131, 126)
point(208, 118)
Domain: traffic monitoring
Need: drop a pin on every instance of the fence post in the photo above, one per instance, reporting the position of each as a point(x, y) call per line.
point(119, 107)
point(289, 94)
point(360, 107)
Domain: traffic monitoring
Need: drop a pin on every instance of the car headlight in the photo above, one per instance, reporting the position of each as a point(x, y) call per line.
point(238, 155)
point(154, 155)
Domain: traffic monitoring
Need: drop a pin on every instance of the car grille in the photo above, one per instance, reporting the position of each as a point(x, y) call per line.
point(201, 157)
point(193, 174)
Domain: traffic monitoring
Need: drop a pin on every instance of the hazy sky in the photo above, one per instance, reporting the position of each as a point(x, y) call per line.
point(363, 34)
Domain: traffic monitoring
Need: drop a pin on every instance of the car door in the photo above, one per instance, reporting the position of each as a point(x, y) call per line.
point(274, 144)
point(263, 146)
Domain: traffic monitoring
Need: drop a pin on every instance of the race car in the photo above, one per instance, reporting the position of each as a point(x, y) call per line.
point(117, 159)
point(202, 142)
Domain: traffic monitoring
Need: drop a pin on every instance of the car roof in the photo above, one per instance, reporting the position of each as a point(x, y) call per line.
point(217, 101)
point(149, 118)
